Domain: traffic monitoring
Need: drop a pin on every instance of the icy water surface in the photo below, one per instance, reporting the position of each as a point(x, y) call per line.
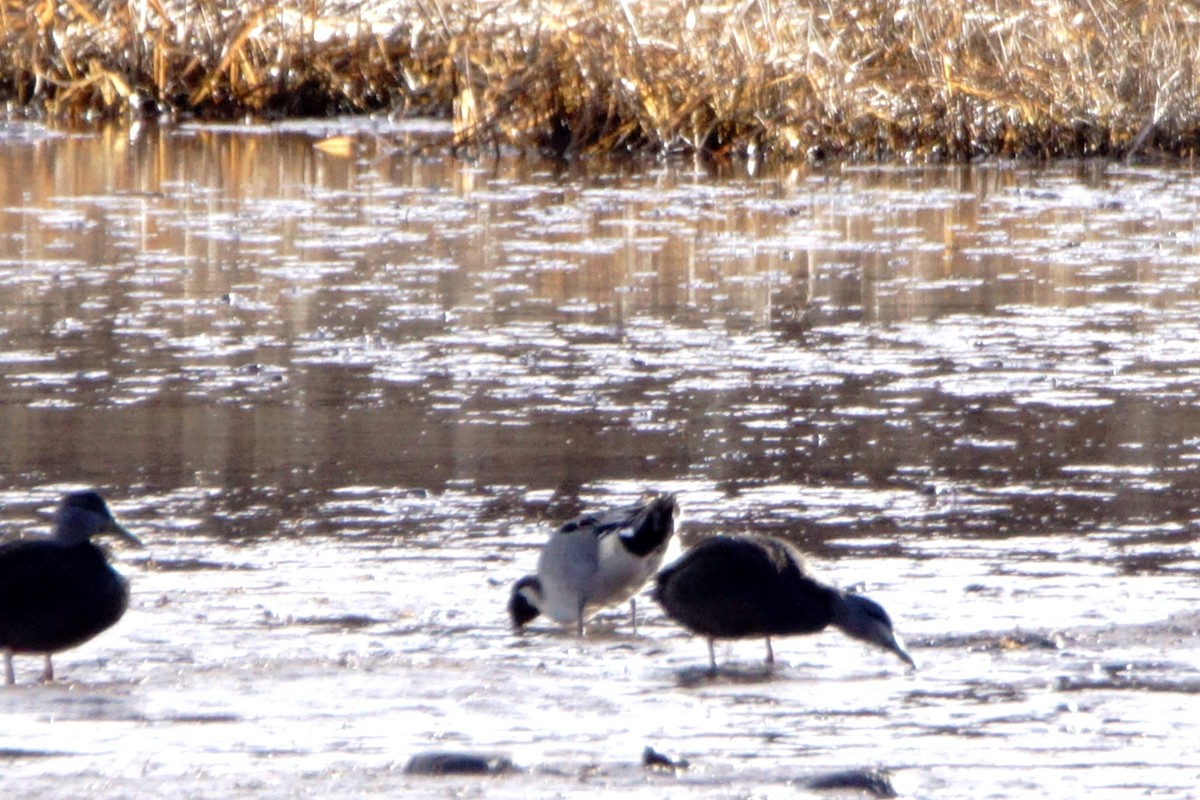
point(344, 399)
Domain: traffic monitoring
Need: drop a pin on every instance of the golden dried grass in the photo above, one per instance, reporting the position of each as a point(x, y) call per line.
point(777, 78)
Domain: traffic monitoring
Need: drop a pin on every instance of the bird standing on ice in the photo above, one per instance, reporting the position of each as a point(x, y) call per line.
point(734, 587)
point(594, 561)
point(57, 592)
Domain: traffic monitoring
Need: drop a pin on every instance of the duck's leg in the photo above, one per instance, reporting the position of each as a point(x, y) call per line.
point(712, 658)
point(633, 613)
point(48, 671)
point(770, 652)
point(10, 677)
point(579, 611)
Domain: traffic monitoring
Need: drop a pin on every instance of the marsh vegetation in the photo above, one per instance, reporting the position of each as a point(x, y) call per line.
point(779, 79)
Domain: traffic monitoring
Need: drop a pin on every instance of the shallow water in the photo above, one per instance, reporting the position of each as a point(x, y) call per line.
point(343, 400)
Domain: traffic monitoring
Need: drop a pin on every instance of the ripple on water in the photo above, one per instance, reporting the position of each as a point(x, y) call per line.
point(345, 407)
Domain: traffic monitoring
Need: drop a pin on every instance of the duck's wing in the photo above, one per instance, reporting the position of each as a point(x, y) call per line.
point(731, 586)
point(601, 522)
point(34, 576)
point(712, 587)
point(643, 528)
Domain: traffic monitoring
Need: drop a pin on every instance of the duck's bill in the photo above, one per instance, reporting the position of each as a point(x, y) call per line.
point(121, 532)
point(897, 647)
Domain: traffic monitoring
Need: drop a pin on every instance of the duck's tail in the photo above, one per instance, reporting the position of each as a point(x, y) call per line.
point(650, 528)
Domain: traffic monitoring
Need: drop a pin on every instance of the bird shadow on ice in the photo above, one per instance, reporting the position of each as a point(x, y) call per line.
point(75, 700)
point(596, 633)
point(699, 675)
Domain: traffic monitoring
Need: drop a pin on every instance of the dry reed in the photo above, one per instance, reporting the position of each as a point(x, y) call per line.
point(774, 78)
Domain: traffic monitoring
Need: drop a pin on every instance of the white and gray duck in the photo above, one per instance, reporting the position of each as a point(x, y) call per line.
point(596, 560)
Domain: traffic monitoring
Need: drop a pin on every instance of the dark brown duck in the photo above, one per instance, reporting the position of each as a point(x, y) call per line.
point(59, 591)
point(735, 587)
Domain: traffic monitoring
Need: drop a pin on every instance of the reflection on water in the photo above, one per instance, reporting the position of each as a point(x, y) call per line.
point(319, 383)
point(244, 311)
point(205, 307)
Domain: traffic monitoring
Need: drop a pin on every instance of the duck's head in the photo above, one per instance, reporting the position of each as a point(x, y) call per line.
point(526, 599)
point(865, 620)
point(82, 515)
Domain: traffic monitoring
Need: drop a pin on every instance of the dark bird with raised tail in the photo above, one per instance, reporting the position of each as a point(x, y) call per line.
point(735, 587)
point(57, 592)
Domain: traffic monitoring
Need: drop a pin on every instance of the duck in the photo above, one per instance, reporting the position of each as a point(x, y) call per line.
point(57, 592)
point(743, 586)
point(596, 560)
